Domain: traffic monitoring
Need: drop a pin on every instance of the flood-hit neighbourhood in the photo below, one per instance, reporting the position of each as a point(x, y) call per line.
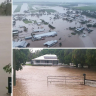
point(53, 24)
point(54, 72)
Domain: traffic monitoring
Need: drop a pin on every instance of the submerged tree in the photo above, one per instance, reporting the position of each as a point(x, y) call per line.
point(19, 59)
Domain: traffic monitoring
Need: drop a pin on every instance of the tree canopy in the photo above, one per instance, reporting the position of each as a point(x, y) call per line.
point(19, 58)
point(5, 8)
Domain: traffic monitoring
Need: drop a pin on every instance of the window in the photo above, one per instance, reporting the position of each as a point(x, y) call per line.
point(38, 61)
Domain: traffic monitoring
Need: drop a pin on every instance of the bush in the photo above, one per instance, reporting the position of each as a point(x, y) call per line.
point(73, 33)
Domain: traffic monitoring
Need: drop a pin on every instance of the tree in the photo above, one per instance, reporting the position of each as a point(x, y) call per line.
point(7, 68)
point(91, 57)
point(5, 9)
point(19, 59)
point(78, 56)
point(68, 56)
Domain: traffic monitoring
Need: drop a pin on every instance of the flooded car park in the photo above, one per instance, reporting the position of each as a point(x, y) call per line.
point(54, 21)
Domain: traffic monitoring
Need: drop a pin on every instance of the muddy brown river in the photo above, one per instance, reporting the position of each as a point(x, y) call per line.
point(32, 81)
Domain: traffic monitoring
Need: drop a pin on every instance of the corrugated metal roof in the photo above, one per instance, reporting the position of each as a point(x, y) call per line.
point(46, 57)
point(20, 44)
point(45, 34)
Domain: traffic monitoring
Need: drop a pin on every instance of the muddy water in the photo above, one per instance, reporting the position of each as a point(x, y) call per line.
point(5, 52)
point(32, 81)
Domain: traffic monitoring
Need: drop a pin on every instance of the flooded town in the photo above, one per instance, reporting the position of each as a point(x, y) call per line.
point(53, 25)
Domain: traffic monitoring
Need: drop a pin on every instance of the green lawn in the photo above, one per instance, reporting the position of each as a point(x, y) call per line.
point(18, 8)
point(26, 21)
point(91, 8)
point(33, 11)
point(30, 6)
point(50, 10)
point(29, 64)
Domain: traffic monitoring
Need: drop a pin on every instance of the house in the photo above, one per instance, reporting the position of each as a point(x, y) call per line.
point(39, 22)
point(48, 59)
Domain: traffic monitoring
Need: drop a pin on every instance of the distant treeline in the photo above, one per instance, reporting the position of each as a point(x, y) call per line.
point(5, 8)
point(89, 14)
point(66, 56)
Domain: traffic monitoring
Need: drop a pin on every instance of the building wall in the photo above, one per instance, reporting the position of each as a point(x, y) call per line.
point(5, 52)
point(45, 62)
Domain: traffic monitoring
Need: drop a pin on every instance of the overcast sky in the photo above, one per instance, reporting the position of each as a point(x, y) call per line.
point(2, 1)
point(35, 49)
point(59, 0)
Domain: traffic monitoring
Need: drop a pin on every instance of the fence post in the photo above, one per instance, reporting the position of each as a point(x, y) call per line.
point(65, 79)
point(47, 80)
point(84, 78)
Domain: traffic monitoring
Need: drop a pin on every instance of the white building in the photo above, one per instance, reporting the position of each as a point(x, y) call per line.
point(48, 59)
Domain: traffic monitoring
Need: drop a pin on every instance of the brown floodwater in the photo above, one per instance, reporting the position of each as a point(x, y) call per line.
point(32, 81)
point(5, 52)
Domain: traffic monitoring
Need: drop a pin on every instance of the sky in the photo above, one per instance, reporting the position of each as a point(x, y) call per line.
point(59, 0)
point(2, 1)
point(35, 49)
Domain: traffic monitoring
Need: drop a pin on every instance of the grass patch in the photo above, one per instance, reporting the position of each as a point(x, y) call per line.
point(18, 8)
point(49, 10)
point(33, 11)
point(30, 6)
point(29, 64)
point(85, 8)
point(26, 21)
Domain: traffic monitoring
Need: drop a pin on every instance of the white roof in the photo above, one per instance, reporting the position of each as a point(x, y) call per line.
point(45, 34)
point(50, 42)
point(22, 44)
point(46, 57)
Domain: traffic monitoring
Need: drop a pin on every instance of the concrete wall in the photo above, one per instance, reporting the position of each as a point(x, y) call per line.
point(90, 83)
point(5, 52)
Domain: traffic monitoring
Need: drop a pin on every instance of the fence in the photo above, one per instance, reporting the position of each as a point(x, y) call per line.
point(85, 80)
point(66, 79)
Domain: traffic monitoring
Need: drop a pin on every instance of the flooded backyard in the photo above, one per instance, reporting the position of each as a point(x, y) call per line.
point(32, 81)
point(5, 52)
point(64, 35)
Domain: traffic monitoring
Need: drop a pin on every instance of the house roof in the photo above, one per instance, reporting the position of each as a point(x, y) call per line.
point(45, 34)
point(47, 57)
point(22, 44)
